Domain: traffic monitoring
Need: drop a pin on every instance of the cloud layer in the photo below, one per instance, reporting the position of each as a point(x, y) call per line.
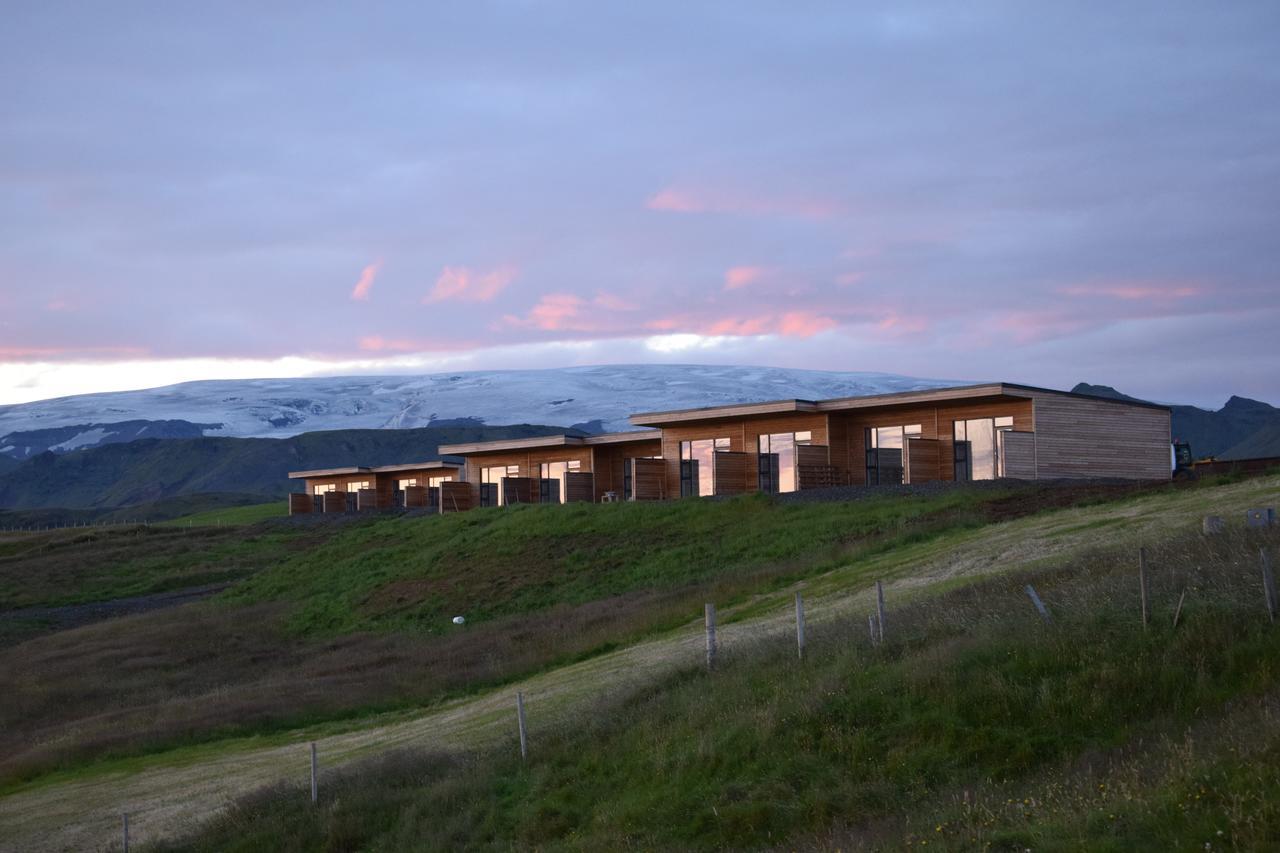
point(915, 189)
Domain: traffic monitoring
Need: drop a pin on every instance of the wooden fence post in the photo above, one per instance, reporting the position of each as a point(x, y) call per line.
point(1035, 599)
point(709, 614)
point(1142, 582)
point(1178, 613)
point(124, 830)
point(524, 737)
point(315, 776)
point(1268, 584)
point(799, 626)
point(880, 611)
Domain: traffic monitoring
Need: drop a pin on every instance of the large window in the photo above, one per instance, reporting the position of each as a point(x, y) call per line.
point(888, 449)
point(777, 461)
point(325, 489)
point(434, 482)
point(554, 472)
point(697, 465)
point(976, 453)
point(357, 485)
point(491, 483)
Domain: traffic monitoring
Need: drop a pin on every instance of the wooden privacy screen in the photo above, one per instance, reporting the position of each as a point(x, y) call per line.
point(814, 469)
point(415, 496)
point(730, 472)
point(579, 486)
point(520, 490)
point(299, 504)
point(1017, 454)
point(924, 460)
point(367, 499)
point(335, 501)
point(648, 479)
point(456, 496)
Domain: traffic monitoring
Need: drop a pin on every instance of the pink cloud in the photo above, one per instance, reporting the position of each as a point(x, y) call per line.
point(1134, 291)
point(467, 285)
point(848, 279)
point(804, 324)
point(691, 200)
point(365, 284)
point(792, 324)
point(738, 277)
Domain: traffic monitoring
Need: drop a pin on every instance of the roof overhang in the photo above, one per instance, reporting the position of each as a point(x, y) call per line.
point(417, 466)
point(740, 410)
point(328, 472)
point(547, 441)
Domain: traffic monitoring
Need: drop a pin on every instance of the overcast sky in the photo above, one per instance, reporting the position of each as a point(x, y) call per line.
point(1044, 193)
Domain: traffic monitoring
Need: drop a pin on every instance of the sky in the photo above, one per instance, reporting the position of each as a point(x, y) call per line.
point(1041, 193)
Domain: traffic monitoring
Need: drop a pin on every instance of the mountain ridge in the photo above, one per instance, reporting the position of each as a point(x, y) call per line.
point(1241, 429)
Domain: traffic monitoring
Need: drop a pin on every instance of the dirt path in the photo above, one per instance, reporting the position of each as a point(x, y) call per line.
point(170, 793)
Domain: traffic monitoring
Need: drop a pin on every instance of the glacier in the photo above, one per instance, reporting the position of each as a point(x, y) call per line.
point(597, 398)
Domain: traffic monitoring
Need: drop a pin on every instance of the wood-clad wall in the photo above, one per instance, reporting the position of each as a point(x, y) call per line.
point(935, 423)
point(608, 461)
point(744, 437)
point(1081, 437)
point(529, 461)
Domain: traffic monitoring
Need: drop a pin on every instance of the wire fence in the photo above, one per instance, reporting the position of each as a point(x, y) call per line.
point(881, 630)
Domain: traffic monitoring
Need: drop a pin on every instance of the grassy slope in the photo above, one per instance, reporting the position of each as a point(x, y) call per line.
point(867, 746)
point(354, 618)
point(955, 553)
point(414, 575)
point(99, 564)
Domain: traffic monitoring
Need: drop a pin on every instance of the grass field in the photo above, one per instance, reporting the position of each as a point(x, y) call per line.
point(232, 516)
point(347, 638)
point(975, 725)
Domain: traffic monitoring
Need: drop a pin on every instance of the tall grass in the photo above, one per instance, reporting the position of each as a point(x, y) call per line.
point(972, 697)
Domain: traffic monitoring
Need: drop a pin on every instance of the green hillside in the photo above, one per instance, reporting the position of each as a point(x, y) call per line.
point(974, 726)
point(149, 470)
point(342, 633)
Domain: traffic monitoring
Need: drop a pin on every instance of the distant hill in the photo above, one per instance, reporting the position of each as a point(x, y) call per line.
point(24, 444)
point(1263, 444)
point(147, 470)
point(1243, 428)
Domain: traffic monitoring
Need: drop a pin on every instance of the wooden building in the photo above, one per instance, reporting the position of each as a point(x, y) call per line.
point(411, 485)
point(973, 432)
point(564, 468)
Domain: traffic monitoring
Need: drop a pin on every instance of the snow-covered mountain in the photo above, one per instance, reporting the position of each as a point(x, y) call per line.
point(597, 399)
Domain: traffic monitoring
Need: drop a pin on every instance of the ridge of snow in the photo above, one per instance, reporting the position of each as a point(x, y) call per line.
point(278, 408)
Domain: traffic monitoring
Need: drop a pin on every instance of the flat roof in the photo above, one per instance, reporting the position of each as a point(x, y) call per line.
point(377, 469)
point(549, 441)
point(415, 466)
point(327, 472)
point(952, 392)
